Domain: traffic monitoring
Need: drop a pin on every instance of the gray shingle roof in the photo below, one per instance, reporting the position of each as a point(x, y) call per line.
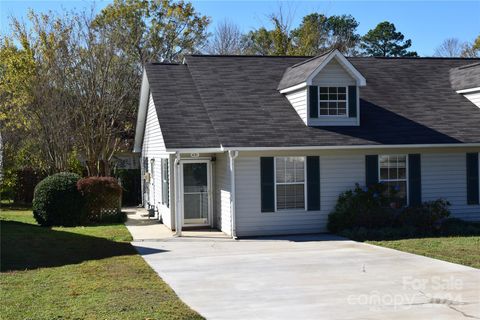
point(183, 118)
point(233, 101)
point(299, 72)
point(465, 77)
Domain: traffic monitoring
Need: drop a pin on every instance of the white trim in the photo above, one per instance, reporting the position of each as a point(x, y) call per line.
point(178, 202)
point(328, 116)
point(291, 183)
point(355, 147)
point(294, 88)
point(209, 192)
point(468, 90)
point(361, 81)
point(196, 150)
point(407, 198)
point(232, 155)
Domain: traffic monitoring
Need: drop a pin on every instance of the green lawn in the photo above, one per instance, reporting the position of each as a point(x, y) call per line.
point(462, 250)
point(78, 273)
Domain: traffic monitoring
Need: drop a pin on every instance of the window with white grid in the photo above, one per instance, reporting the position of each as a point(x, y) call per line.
point(290, 182)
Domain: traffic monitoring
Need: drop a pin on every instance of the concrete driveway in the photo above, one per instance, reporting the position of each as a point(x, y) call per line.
point(311, 277)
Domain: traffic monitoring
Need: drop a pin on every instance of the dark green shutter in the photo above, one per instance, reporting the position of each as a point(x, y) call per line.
point(414, 179)
point(313, 101)
point(165, 181)
point(371, 169)
point(472, 179)
point(267, 184)
point(352, 101)
point(313, 183)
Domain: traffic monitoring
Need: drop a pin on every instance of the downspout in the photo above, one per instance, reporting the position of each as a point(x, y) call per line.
point(178, 215)
point(233, 155)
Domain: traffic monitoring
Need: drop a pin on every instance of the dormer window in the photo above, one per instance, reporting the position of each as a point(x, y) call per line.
point(324, 90)
point(333, 101)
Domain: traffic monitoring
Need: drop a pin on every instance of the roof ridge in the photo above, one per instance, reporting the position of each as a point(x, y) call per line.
point(416, 58)
point(244, 56)
point(313, 58)
point(469, 65)
point(163, 63)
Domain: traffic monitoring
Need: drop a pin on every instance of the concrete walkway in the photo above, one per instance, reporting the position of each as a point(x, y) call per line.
point(144, 229)
point(311, 277)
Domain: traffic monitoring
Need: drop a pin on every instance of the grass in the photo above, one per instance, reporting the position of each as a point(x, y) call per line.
point(78, 273)
point(461, 250)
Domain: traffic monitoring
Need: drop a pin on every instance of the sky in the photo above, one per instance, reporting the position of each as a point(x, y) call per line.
point(427, 23)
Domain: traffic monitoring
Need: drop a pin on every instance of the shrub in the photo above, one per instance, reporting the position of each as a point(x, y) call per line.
point(458, 227)
point(424, 217)
point(129, 180)
point(362, 207)
point(386, 233)
point(57, 202)
point(103, 196)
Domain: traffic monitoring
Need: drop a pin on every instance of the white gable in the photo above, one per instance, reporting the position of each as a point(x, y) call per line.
point(333, 74)
point(344, 63)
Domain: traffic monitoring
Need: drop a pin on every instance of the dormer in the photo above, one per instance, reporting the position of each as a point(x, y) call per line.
point(465, 80)
point(324, 90)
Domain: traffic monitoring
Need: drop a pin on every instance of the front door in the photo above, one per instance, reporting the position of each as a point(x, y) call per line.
point(196, 193)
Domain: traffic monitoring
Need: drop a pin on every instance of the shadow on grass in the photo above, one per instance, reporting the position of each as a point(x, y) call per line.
point(27, 246)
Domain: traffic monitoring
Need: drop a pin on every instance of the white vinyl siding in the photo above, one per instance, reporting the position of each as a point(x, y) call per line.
point(298, 100)
point(222, 193)
point(444, 176)
point(333, 74)
point(154, 148)
point(337, 174)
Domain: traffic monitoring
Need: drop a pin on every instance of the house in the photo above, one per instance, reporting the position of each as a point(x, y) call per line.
point(256, 145)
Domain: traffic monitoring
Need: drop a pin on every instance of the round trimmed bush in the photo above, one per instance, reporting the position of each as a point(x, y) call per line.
point(103, 199)
point(57, 202)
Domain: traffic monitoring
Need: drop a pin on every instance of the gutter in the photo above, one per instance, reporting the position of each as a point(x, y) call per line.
point(344, 147)
point(358, 147)
point(233, 154)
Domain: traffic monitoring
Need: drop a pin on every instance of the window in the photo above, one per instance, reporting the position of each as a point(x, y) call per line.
point(165, 185)
point(290, 182)
point(393, 172)
point(333, 101)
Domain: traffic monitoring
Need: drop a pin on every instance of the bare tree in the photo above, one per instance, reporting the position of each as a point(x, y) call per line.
point(451, 47)
point(472, 50)
point(105, 99)
point(276, 41)
point(48, 44)
point(226, 39)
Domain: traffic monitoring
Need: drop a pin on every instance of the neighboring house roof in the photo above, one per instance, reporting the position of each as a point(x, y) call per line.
point(465, 77)
point(233, 101)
